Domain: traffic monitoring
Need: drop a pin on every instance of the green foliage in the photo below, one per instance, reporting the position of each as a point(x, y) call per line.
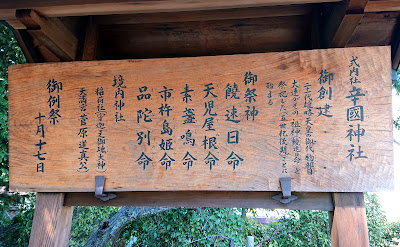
point(396, 86)
point(293, 228)
point(86, 220)
point(15, 231)
point(187, 227)
point(381, 233)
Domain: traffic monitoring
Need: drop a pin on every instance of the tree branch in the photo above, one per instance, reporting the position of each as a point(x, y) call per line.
point(111, 228)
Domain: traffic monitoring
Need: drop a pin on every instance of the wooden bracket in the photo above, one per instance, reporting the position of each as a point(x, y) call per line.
point(51, 33)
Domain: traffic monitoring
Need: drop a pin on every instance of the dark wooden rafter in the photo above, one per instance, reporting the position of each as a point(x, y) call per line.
point(108, 7)
point(204, 15)
point(51, 33)
point(91, 40)
point(383, 6)
point(339, 22)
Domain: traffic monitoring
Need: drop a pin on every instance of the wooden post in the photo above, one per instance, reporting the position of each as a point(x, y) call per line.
point(349, 226)
point(51, 221)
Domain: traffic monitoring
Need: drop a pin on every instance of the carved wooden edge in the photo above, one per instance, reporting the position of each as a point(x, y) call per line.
point(230, 199)
point(110, 7)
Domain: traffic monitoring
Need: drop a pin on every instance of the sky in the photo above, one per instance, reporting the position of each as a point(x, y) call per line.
point(390, 201)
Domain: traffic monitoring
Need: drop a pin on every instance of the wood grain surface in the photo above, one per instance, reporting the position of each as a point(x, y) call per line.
point(260, 142)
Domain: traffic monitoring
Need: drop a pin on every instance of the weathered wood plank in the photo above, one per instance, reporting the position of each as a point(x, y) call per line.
point(206, 38)
point(259, 144)
point(375, 29)
point(51, 221)
point(246, 199)
point(349, 226)
point(108, 7)
point(383, 6)
point(345, 30)
point(205, 15)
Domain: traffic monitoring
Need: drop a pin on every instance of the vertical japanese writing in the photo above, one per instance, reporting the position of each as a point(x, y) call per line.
point(187, 138)
point(209, 108)
point(83, 117)
point(296, 127)
point(355, 113)
point(40, 155)
point(309, 141)
point(232, 92)
point(209, 142)
point(250, 96)
point(54, 87)
point(119, 97)
point(164, 111)
point(270, 86)
point(283, 151)
point(144, 116)
point(100, 125)
point(325, 93)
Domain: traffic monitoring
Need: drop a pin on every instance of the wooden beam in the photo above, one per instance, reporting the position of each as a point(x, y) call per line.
point(306, 201)
point(108, 7)
point(206, 38)
point(349, 226)
point(51, 221)
point(91, 40)
point(345, 30)
point(383, 6)
point(204, 15)
point(51, 32)
point(16, 24)
point(340, 21)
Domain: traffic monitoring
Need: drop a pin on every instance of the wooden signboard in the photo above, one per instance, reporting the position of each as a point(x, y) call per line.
point(223, 123)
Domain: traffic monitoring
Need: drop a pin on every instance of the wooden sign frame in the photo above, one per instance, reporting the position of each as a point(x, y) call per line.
point(323, 122)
